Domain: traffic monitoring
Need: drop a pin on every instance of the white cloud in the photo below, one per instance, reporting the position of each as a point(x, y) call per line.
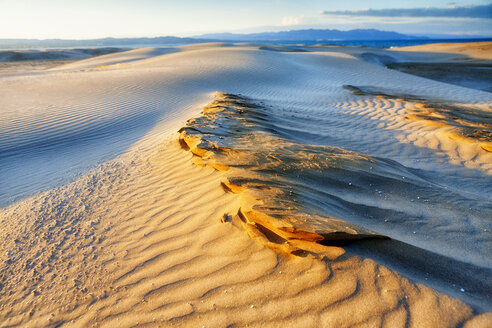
point(483, 11)
point(289, 20)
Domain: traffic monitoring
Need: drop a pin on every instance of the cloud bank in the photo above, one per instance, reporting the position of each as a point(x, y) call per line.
point(484, 11)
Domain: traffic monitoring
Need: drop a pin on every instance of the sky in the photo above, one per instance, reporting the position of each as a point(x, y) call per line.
point(88, 19)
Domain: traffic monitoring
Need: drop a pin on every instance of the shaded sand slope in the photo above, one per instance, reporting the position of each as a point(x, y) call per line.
point(467, 64)
point(272, 155)
point(139, 239)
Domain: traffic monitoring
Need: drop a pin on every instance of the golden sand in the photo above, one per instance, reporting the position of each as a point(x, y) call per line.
point(152, 250)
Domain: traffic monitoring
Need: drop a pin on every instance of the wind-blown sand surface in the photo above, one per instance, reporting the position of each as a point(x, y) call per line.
point(243, 218)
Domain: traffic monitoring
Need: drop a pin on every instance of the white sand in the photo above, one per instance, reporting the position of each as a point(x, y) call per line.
point(139, 240)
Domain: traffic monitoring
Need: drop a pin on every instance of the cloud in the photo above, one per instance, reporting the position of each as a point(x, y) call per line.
point(484, 11)
point(287, 21)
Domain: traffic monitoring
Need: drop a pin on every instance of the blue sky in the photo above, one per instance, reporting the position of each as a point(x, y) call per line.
point(83, 19)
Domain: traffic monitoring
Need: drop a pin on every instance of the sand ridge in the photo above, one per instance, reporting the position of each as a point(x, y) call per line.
point(228, 137)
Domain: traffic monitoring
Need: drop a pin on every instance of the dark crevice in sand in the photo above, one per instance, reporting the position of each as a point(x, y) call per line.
point(283, 48)
point(470, 75)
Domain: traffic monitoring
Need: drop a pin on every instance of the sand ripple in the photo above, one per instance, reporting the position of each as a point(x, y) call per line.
point(161, 256)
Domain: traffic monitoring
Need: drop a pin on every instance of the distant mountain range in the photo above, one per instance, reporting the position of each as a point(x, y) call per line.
point(312, 35)
point(298, 36)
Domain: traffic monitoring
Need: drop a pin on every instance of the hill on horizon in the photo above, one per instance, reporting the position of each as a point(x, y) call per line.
point(312, 35)
point(305, 35)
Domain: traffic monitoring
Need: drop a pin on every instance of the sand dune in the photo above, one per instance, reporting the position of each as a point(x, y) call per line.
point(479, 50)
point(116, 60)
point(16, 62)
point(151, 249)
point(55, 54)
point(151, 236)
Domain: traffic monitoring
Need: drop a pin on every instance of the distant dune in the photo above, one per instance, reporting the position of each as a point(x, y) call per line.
point(17, 44)
point(480, 50)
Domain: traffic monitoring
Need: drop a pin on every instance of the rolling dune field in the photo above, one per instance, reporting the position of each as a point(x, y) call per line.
point(220, 185)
